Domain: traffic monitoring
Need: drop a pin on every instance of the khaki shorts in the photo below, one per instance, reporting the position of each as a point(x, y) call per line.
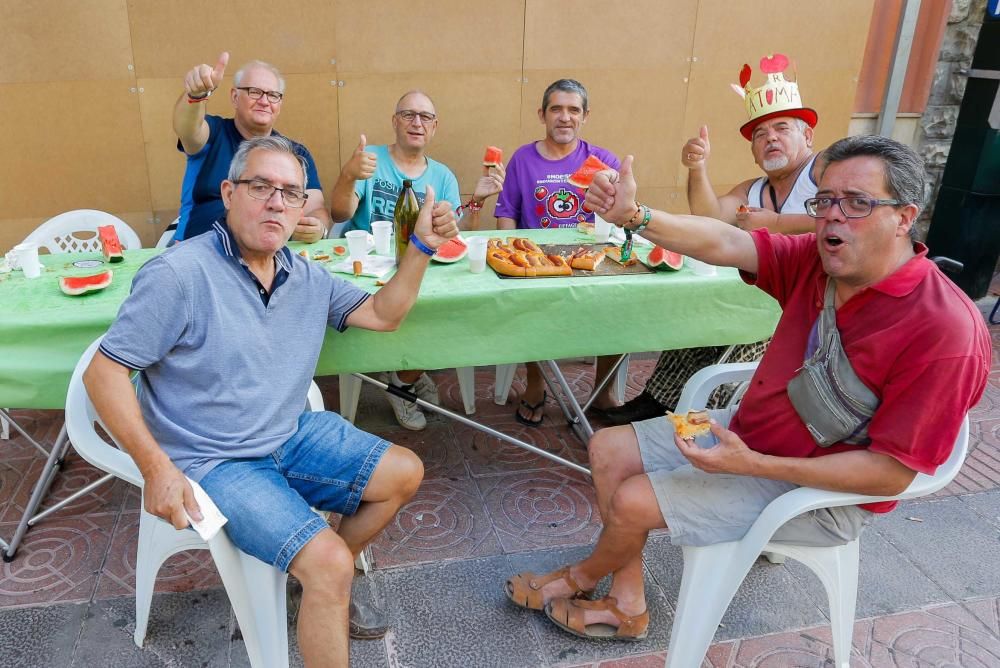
point(707, 508)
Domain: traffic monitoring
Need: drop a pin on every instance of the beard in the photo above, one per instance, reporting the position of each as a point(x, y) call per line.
point(772, 164)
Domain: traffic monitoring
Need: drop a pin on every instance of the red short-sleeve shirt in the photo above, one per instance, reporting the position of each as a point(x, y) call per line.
point(914, 339)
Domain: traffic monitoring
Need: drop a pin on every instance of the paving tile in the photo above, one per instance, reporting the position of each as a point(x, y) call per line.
point(40, 636)
point(950, 545)
point(446, 519)
point(436, 448)
point(191, 629)
point(797, 649)
point(487, 455)
point(946, 636)
point(41, 425)
point(770, 599)
point(986, 504)
point(456, 614)
point(59, 560)
point(655, 660)
point(546, 508)
point(185, 571)
point(888, 581)
point(73, 475)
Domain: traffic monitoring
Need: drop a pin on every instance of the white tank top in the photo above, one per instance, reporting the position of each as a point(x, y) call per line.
point(803, 188)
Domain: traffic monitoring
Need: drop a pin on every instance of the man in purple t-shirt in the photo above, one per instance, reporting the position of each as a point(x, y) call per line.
point(537, 195)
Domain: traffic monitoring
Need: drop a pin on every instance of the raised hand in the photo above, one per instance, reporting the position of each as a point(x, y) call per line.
point(309, 229)
point(751, 218)
point(612, 194)
point(436, 221)
point(203, 79)
point(361, 166)
point(695, 153)
point(490, 183)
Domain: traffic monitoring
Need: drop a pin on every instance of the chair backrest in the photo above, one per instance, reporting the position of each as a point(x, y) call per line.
point(168, 234)
point(76, 232)
point(81, 416)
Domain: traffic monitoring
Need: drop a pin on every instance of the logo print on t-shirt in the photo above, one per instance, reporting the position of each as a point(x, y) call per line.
point(563, 204)
point(544, 222)
point(541, 192)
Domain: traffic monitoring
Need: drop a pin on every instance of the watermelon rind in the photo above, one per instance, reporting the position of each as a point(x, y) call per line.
point(661, 258)
point(75, 286)
point(452, 250)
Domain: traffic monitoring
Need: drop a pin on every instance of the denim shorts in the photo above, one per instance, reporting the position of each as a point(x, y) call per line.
point(706, 508)
point(268, 500)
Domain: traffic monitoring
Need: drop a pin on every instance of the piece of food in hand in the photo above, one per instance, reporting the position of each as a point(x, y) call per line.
point(585, 227)
point(110, 244)
point(81, 285)
point(452, 250)
point(615, 253)
point(339, 250)
point(585, 258)
point(357, 267)
point(695, 423)
point(583, 177)
point(743, 208)
point(493, 157)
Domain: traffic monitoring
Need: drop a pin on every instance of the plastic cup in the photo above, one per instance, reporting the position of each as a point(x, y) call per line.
point(27, 259)
point(357, 244)
point(477, 254)
point(700, 268)
point(602, 229)
point(382, 231)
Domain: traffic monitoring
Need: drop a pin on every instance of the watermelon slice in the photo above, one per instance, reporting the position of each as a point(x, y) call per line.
point(110, 244)
point(493, 157)
point(81, 285)
point(583, 177)
point(661, 258)
point(452, 250)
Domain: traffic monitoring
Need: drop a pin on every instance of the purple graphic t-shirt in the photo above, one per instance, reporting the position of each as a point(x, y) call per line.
point(536, 192)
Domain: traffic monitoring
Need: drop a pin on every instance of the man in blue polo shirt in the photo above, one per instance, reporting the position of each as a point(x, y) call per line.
point(226, 330)
point(210, 142)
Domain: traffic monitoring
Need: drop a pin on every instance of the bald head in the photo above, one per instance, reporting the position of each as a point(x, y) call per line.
point(411, 96)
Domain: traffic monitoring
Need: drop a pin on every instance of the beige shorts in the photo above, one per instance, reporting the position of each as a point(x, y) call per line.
point(707, 508)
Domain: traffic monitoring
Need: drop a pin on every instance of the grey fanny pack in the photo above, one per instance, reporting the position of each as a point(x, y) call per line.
point(834, 404)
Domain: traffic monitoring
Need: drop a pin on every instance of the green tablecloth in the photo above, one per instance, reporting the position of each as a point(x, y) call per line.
point(460, 319)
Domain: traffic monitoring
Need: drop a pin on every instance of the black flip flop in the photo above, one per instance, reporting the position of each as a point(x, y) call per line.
point(531, 407)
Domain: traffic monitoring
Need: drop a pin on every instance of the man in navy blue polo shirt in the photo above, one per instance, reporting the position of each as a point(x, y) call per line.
point(226, 330)
point(211, 141)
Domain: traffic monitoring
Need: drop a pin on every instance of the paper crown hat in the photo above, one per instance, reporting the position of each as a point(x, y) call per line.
point(777, 97)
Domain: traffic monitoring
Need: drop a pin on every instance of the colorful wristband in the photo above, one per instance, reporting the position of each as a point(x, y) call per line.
point(647, 213)
point(421, 246)
point(196, 100)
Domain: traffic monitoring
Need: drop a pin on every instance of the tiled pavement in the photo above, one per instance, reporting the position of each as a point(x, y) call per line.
point(929, 591)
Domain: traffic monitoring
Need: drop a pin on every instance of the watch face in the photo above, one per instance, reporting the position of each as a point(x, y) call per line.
point(88, 264)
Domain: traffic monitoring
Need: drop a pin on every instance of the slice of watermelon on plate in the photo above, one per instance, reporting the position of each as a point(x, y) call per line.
point(583, 177)
point(452, 250)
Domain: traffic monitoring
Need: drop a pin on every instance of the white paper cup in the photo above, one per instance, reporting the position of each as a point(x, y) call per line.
point(27, 259)
point(602, 229)
point(477, 254)
point(357, 244)
point(382, 231)
point(700, 268)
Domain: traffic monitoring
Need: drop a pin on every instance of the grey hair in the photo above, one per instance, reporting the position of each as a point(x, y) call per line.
point(801, 125)
point(271, 143)
point(254, 65)
point(902, 167)
point(565, 86)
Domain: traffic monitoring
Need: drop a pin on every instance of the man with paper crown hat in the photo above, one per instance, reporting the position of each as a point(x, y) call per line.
point(780, 130)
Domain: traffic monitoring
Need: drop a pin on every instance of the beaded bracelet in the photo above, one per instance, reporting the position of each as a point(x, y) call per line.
point(638, 210)
point(421, 246)
point(196, 100)
point(471, 205)
point(647, 213)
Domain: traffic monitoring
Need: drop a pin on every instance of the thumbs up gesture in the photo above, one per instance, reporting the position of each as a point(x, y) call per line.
point(695, 153)
point(203, 79)
point(361, 165)
point(612, 194)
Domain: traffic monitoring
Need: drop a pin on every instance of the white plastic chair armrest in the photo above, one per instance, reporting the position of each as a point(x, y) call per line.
point(700, 385)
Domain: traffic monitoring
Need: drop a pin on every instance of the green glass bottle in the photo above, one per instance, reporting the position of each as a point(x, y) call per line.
point(404, 218)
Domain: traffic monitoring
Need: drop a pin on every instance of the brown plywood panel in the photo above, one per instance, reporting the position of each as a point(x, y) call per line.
point(308, 115)
point(64, 40)
point(595, 34)
point(169, 38)
point(441, 36)
point(731, 34)
point(466, 124)
point(625, 115)
point(56, 161)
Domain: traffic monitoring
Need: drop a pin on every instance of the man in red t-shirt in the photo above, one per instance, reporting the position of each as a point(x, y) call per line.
point(913, 339)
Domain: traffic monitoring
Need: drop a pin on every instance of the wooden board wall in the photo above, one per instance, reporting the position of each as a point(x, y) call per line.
point(94, 84)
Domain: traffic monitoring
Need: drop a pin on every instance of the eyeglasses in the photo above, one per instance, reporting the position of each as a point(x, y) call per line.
point(273, 96)
point(408, 115)
point(263, 190)
point(851, 207)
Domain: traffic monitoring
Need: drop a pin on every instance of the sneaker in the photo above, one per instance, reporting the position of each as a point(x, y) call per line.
point(369, 615)
point(408, 413)
point(425, 388)
point(643, 407)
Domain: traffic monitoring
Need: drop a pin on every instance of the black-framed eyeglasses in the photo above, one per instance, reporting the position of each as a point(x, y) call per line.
point(851, 207)
point(408, 115)
point(273, 96)
point(263, 190)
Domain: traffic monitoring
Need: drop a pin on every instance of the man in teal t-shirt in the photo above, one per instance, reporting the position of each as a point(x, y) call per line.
point(368, 187)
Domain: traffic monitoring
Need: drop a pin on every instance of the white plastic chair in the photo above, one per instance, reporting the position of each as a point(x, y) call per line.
point(168, 234)
point(256, 590)
point(59, 234)
point(712, 574)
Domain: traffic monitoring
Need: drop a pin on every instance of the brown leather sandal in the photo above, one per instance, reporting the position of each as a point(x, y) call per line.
point(567, 614)
point(525, 589)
